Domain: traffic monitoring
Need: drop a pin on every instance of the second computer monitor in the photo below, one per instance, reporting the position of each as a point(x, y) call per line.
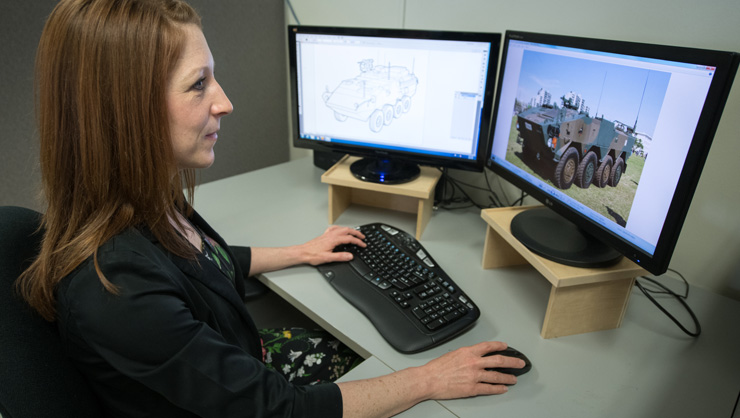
point(610, 135)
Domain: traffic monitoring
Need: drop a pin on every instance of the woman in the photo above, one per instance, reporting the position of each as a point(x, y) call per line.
point(145, 293)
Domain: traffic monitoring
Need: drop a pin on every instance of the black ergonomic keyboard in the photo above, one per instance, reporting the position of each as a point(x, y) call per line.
point(396, 284)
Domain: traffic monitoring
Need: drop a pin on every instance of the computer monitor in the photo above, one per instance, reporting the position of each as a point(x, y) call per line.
point(611, 137)
point(397, 98)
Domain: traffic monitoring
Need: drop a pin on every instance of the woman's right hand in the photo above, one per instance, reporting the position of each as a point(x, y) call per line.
point(462, 373)
point(457, 374)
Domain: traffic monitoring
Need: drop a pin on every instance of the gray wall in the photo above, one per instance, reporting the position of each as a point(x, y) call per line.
point(247, 39)
point(708, 250)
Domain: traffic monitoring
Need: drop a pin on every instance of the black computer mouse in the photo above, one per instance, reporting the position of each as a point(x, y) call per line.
point(511, 352)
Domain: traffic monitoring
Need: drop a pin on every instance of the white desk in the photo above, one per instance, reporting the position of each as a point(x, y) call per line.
point(646, 368)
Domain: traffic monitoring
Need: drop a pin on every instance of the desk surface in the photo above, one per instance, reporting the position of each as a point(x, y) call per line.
point(645, 368)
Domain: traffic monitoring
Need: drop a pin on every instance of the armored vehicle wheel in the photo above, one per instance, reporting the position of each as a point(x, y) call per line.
point(340, 117)
point(387, 114)
point(398, 109)
point(565, 171)
point(376, 121)
point(617, 171)
point(586, 170)
point(406, 102)
point(603, 174)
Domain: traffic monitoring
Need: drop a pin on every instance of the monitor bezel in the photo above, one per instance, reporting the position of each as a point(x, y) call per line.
point(726, 64)
point(476, 164)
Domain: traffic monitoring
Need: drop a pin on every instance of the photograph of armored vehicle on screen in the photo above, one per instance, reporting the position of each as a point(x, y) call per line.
point(587, 124)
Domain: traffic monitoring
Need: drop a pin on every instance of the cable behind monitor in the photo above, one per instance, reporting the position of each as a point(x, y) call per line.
point(680, 298)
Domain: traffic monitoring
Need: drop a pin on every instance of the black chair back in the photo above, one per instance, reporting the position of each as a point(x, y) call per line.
point(37, 379)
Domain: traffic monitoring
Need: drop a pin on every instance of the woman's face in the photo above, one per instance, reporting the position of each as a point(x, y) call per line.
point(195, 103)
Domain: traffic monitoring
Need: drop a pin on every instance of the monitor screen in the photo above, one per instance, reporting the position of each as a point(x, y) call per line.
point(611, 136)
point(397, 97)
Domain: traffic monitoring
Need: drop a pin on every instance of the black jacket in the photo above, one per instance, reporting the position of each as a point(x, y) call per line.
point(177, 341)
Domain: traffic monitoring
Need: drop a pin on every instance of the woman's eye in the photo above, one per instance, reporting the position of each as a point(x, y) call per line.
point(200, 84)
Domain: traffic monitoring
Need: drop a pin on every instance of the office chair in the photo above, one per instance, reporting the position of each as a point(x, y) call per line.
point(37, 379)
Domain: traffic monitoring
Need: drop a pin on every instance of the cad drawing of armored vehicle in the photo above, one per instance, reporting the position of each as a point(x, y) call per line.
point(377, 95)
point(579, 148)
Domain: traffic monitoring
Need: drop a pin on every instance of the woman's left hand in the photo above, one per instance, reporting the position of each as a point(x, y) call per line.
point(320, 250)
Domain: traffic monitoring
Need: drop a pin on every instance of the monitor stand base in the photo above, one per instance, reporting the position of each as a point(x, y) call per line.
point(549, 235)
point(384, 171)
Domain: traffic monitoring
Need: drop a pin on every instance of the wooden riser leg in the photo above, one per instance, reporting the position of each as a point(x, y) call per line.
point(586, 308)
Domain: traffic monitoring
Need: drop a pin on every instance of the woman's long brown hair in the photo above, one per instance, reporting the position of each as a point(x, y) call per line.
point(102, 68)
